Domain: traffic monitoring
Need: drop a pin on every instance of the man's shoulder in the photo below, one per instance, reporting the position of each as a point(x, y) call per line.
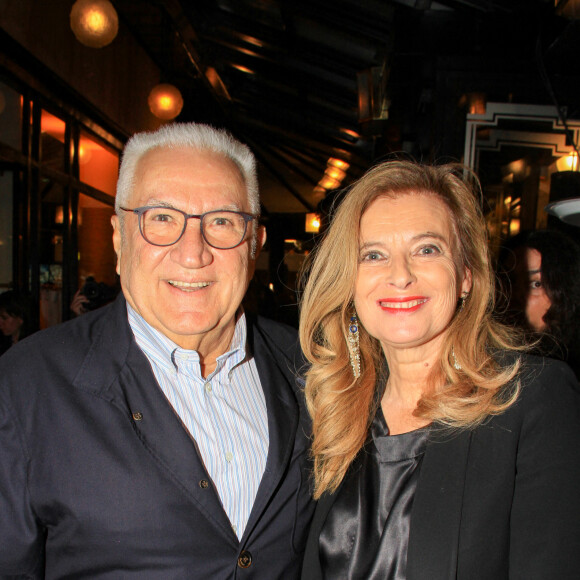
point(62, 346)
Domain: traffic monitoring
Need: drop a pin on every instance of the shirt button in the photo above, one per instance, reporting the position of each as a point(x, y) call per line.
point(208, 387)
point(204, 484)
point(245, 559)
point(229, 456)
point(137, 416)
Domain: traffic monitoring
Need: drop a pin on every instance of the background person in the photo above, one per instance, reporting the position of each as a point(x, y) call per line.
point(541, 274)
point(162, 436)
point(15, 318)
point(440, 450)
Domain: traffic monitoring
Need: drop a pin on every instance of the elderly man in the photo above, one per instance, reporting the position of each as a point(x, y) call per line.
point(163, 436)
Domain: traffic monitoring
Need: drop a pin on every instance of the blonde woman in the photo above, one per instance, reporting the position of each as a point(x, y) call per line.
point(441, 449)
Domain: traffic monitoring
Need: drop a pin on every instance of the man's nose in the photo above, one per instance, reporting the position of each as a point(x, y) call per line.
point(192, 251)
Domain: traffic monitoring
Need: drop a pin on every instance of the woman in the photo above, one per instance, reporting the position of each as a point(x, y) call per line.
point(542, 269)
point(14, 318)
point(440, 450)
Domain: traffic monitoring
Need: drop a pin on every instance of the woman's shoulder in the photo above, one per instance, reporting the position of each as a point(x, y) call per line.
point(546, 386)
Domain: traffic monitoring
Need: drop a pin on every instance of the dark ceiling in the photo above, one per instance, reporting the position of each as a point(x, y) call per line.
point(303, 81)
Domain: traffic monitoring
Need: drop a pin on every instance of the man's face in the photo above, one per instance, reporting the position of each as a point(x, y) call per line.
point(189, 291)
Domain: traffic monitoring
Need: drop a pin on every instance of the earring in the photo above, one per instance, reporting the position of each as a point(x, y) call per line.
point(454, 361)
point(462, 300)
point(353, 346)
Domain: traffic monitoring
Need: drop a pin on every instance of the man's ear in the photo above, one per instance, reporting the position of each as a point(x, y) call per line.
point(117, 240)
point(260, 240)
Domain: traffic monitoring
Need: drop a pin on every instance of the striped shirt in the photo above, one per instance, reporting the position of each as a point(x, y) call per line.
point(225, 413)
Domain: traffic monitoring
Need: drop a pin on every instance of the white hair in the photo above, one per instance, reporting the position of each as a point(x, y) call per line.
point(194, 136)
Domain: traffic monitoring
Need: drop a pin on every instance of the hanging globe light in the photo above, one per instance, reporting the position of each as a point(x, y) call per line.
point(94, 22)
point(165, 101)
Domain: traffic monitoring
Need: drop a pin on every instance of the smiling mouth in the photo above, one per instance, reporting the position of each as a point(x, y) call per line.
point(407, 305)
point(188, 286)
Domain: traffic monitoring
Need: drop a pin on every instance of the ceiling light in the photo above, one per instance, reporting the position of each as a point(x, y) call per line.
point(334, 162)
point(165, 101)
point(94, 22)
point(243, 69)
point(335, 173)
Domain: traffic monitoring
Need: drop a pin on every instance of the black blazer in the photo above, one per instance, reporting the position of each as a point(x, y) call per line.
point(98, 478)
point(501, 501)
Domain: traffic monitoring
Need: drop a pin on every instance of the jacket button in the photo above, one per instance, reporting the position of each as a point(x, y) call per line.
point(204, 484)
point(245, 559)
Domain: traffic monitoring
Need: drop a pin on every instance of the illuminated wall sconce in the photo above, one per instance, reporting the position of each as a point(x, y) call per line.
point(165, 101)
point(568, 162)
point(94, 22)
point(312, 223)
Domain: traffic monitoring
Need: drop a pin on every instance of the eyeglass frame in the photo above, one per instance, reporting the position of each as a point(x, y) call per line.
point(140, 211)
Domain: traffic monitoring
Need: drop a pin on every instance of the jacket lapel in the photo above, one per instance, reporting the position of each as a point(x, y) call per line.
point(134, 390)
point(276, 378)
point(436, 515)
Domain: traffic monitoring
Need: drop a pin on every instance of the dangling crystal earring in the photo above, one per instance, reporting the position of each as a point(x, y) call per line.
point(456, 364)
point(353, 346)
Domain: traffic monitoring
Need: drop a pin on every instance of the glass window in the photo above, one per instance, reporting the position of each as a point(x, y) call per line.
point(6, 186)
point(10, 116)
point(98, 165)
point(52, 151)
point(51, 248)
point(96, 254)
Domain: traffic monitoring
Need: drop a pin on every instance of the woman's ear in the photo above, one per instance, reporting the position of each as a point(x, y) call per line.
point(466, 283)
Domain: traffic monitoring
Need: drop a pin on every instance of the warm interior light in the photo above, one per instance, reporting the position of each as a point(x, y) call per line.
point(243, 69)
point(568, 162)
point(329, 182)
point(350, 133)
point(312, 223)
point(251, 40)
point(94, 22)
point(334, 162)
point(52, 126)
point(335, 173)
point(165, 101)
point(514, 227)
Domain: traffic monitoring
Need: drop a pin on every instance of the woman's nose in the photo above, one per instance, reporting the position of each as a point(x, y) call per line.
point(400, 273)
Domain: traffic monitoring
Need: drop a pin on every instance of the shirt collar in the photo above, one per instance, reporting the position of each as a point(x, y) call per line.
point(162, 350)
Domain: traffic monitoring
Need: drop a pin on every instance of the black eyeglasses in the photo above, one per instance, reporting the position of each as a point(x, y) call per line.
point(164, 226)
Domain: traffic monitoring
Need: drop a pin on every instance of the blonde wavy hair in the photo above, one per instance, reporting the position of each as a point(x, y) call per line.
point(343, 407)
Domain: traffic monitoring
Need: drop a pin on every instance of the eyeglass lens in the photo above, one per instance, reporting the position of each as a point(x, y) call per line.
point(221, 229)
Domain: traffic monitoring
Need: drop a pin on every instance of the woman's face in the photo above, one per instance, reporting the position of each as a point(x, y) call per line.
point(537, 302)
point(407, 284)
point(9, 325)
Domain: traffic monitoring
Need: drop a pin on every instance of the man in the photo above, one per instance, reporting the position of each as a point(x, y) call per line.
point(162, 436)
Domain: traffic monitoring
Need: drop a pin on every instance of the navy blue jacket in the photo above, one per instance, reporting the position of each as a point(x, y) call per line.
point(98, 478)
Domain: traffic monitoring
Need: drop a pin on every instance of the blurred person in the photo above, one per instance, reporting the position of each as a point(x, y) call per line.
point(163, 435)
point(441, 448)
point(15, 317)
point(542, 271)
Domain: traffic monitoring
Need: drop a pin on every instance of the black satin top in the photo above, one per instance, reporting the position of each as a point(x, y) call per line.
point(366, 533)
